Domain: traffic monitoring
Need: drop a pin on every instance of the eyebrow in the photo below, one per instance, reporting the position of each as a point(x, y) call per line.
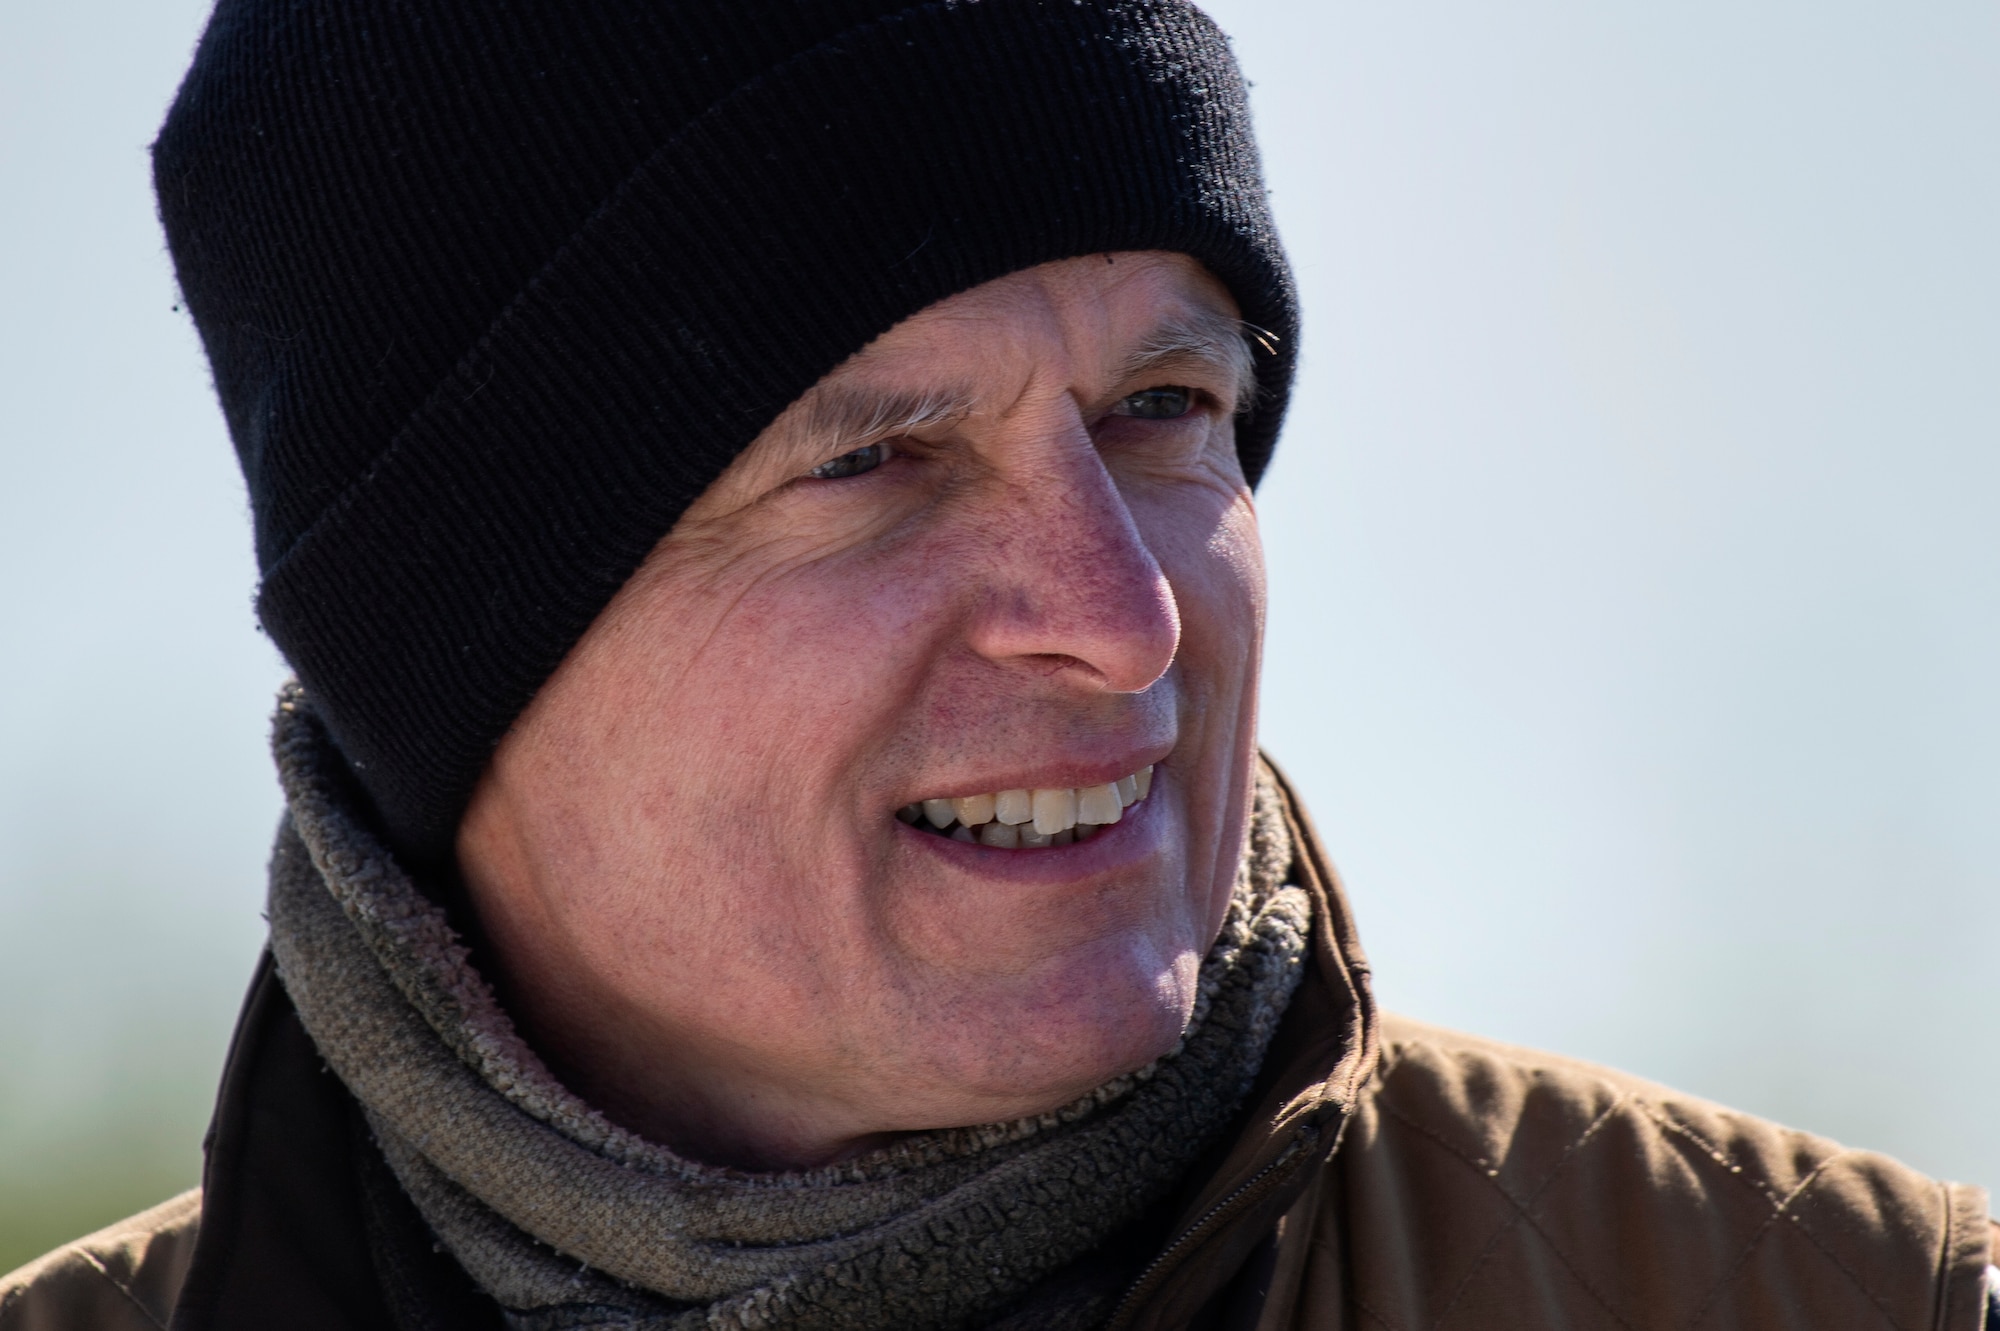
point(839, 418)
point(835, 418)
point(1203, 336)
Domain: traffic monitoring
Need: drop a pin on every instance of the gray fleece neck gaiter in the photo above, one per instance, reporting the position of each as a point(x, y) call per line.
point(568, 1220)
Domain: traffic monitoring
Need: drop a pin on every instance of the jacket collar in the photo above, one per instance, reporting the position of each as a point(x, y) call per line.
point(291, 1233)
point(1319, 1066)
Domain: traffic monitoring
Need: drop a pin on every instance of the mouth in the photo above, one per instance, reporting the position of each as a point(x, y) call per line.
point(1030, 819)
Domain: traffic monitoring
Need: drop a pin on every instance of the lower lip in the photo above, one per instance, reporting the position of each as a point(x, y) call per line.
point(1132, 837)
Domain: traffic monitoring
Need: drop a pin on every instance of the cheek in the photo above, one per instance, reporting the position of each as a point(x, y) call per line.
point(720, 761)
point(771, 683)
point(1214, 560)
point(1234, 560)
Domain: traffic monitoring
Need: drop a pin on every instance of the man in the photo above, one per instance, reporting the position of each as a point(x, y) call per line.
point(758, 498)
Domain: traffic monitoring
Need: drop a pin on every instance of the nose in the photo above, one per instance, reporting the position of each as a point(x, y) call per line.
point(1071, 583)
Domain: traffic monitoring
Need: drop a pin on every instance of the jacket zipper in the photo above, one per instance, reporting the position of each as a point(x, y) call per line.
point(1252, 1189)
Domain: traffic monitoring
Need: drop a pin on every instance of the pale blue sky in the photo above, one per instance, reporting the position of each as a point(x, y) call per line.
point(1633, 541)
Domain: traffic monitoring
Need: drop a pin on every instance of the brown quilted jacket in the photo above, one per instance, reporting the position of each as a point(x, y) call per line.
point(1392, 1177)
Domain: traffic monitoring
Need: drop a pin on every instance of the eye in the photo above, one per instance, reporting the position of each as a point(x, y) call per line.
point(851, 464)
point(1165, 403)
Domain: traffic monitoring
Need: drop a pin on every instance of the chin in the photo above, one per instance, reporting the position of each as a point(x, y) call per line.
point(1103, 1011)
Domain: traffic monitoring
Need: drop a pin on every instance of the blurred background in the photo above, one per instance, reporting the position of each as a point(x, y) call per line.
point(1635, 547)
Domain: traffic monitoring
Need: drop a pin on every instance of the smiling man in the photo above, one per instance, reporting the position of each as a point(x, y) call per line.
point(758, 497)
point(998, 571)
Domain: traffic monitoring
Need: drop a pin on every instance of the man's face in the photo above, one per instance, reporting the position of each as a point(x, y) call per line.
point(1007, 546)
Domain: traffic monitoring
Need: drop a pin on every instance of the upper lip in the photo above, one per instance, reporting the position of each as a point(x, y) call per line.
point(1047, 776)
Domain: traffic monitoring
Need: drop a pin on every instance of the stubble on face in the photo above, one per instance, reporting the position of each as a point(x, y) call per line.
point(686, 856)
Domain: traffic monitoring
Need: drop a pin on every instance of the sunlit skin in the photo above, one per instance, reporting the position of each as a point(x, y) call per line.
point(684, 856)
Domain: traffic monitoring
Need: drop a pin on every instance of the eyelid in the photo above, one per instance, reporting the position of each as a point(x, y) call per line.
point(886, 445)
point(1196, 381)
point(1198, 398)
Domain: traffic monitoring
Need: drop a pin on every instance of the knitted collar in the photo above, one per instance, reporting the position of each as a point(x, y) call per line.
point(568, 1220)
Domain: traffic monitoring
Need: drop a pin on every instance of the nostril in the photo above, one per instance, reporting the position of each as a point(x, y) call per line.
point(1069, 581)
point(1052, 663)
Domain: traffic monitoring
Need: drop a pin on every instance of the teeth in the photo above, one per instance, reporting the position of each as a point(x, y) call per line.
point(975, 809)
point(1013, 806)
point(1055, 810)
point(1031, 819)
point(1099, 804)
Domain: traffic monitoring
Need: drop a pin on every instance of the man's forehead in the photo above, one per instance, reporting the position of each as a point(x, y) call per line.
point(1090, 324)
point(1090, 310)
point(980, 360)
point(881, 393)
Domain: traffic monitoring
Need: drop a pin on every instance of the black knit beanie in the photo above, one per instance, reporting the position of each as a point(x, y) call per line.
point(493, 289)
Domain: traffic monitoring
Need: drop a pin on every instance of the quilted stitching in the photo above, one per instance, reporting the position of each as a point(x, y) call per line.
point(123, 1288)
point(1784, 1210)
point(1522, 1210)
point(1484, 1182)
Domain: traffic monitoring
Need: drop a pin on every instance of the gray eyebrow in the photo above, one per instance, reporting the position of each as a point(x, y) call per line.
point(839, 418)
point(836, 418)
point(1205, 336)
